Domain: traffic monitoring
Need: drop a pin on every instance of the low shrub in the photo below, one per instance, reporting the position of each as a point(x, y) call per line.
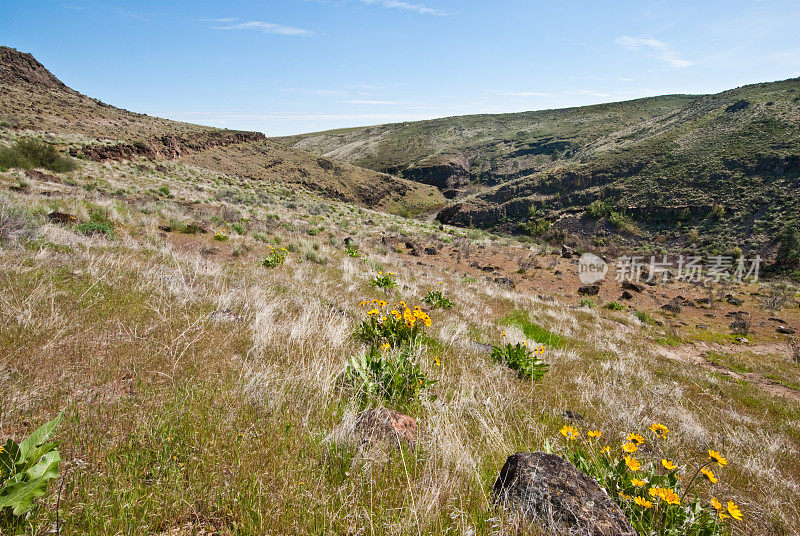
point(98, 224)
point(29, 154)
point(586, 302)
point(387, 375)
point(274, 257)
point(384, 280)
point(351, 250)
point(614, 306)
point(436, 299)
point(520, 358)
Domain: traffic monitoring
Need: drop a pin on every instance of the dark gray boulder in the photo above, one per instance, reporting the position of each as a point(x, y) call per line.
point(550, 491)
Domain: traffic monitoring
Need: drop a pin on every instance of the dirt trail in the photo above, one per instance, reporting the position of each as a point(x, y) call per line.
point(693, 353)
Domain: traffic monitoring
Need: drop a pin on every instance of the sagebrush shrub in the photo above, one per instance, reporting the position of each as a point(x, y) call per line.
point(29, 154)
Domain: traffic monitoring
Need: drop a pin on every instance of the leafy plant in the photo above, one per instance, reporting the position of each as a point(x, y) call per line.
point(27, 467)
point(392, 376)
point(614, 306)
point(274, 257)
point(520, 358)
point(239, 228)
point(436, 298)
point(351, 250)
point(98, 224)
point(659, 496)
point(221, 235)
point(384, 280)
point(392, 327)
point(586, 302)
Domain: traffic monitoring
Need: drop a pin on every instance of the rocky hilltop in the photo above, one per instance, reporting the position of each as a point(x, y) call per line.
point(33, 99)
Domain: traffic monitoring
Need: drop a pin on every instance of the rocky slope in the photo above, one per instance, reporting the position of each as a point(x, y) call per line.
point(32, 99)
point(708, 171)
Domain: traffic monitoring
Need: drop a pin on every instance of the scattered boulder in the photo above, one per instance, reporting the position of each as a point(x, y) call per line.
point(39, 176)
point(567, 252)
point(549, 490)
point(431, 250)
point(778, 320)
point(627, 285)
point(785, 330)
point(626, 295)
point(376, 427)
point(413, 248)
point(572, 415)
point(733, 300)
point(61, 218)
point(505, 282)
point(671, 308)
point(589, 290)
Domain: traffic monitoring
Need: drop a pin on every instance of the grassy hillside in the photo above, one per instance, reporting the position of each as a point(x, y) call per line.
point(710, 171)
point(33, 101)
point(200, 383)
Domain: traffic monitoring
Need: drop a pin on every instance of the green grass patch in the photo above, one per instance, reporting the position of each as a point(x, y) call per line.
point(532, 330)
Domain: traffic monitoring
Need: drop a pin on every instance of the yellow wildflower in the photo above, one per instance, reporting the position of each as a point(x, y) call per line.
point(659, 429)
point(381, 303)
point(386, 346)
point(717, 457)
point(373, 312)
point(643, 502)
point(606, 450)
point(734, 511)
point(668, 465)
point(396, 314)
point(665, 494)
point(630, 448)
point(718, 507)
point(632, 463)
point(709, 474)
point(638, 483)
point(635, 438)
point(436, 360)
point(626, 497)
point(594, 434)
point(570, 432)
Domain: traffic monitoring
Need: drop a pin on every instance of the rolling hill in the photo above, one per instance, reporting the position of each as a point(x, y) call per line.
point(680, 171)
point(34, 102)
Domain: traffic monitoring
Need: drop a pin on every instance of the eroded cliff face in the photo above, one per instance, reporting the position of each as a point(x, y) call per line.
point(169, 147)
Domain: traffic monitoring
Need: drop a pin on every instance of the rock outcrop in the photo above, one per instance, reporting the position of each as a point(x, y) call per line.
point(549, 490)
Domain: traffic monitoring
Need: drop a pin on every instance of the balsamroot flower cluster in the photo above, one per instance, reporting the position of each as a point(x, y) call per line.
point(655, 493)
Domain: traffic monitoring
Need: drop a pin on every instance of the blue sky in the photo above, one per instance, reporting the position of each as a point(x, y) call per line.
point(290, 66)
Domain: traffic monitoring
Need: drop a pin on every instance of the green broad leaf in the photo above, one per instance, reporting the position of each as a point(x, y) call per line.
point(46, 467)
point(38, 437)
point(19, 495)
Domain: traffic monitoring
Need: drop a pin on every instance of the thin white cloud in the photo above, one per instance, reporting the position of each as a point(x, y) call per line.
point(399, 4)
point(510, 93)
point(371, 102)
point(655, 48)
point(259, 26)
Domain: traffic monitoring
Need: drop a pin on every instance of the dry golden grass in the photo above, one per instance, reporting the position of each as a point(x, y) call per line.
point(179, 420)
